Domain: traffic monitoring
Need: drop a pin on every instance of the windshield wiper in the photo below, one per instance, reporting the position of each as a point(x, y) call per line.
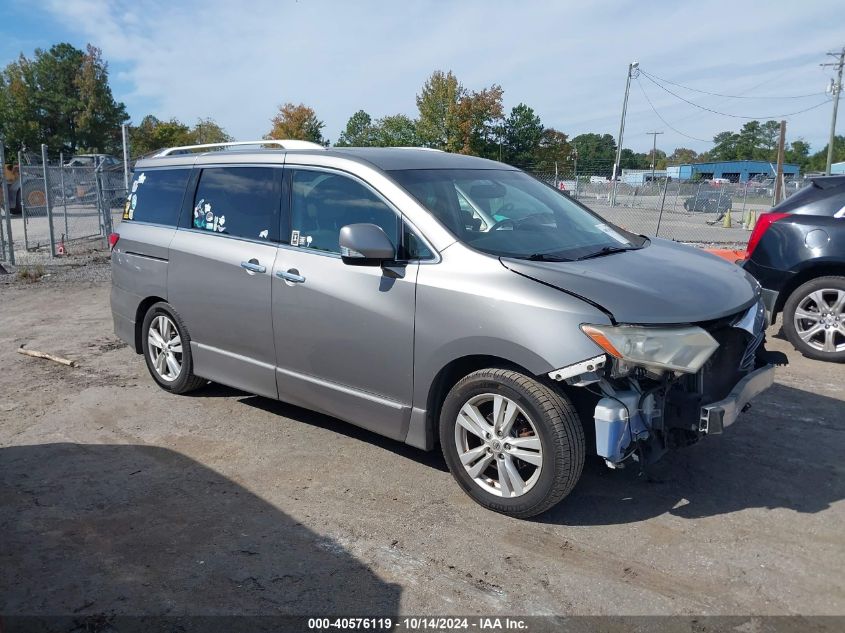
point(546, 257)
point(607, 250)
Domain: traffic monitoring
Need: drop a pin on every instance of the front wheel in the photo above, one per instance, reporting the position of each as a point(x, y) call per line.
point(167, 350)
point(814, 318)
point(513, 444)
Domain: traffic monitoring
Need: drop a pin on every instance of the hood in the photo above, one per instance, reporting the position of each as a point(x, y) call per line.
point(664, 282)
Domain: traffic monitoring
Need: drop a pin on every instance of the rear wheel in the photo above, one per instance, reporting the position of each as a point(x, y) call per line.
point(167, 350)
point(513, 444)
point(814, 318)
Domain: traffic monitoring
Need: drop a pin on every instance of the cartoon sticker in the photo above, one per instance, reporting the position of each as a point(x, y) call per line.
point(308, 240)
point(126, 210)
point(263, 234)
point(134, 201)
point(142, 178)
point(294, 238)
point(199, 214)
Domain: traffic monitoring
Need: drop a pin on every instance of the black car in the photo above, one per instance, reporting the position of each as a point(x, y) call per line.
point(797, 253)
point(709, 202)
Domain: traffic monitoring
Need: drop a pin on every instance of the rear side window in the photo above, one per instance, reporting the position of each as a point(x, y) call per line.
point(242, 202)
point(156, 196)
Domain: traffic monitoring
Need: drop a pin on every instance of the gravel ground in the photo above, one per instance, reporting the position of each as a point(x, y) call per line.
point(118, 498)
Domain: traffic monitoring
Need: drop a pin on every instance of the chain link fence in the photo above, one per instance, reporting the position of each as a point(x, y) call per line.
point(695, 212)
point(59, 206)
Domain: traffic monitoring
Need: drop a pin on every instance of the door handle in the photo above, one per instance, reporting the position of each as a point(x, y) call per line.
point(253, 266)
point(291, 275)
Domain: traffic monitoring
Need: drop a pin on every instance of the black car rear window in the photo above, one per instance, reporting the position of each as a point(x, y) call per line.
point(822, 196)
point(156, 196)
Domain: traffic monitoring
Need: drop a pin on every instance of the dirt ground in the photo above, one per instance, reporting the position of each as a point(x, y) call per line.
point(118, 498)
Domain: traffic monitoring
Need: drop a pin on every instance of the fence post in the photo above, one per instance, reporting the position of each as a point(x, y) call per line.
point(125, 133)
point(6, 204)
point(47, 200)
point(105, 211)
point(662, 202)
point(744, 199)
point(675, 199)
point(64, 192)
point(24, 218)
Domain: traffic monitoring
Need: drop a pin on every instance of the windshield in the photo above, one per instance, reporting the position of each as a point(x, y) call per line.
point(510, 214)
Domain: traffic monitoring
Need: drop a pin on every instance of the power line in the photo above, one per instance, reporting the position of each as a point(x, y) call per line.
point(718, 94)
point(734, 116)
point(665, 122)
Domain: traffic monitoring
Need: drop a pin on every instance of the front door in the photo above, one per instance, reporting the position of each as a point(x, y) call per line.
point(219, 278)
point(344, 334)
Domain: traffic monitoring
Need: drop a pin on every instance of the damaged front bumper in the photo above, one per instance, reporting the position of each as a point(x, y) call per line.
point(718, 415)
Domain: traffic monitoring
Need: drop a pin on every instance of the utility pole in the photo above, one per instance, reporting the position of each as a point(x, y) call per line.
point(836, 90)
point(779, 173)
point(632, 68)
point(653, 152)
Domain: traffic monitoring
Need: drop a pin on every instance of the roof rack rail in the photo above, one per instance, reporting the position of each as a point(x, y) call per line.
point(284, 144)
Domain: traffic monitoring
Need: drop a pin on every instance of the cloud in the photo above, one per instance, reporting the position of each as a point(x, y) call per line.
point(237, 61)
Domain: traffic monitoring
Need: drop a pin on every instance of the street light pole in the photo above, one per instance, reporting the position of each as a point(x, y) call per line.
point(837, 90)
point(631, 68)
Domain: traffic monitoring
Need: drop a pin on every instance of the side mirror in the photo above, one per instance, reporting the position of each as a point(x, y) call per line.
point(365, 245)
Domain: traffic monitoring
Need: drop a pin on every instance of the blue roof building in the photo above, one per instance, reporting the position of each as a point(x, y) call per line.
point(733, 170)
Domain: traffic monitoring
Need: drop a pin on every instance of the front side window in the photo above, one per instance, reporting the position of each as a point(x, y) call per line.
point(324, 202)
point(156, 196)
point(510, 214)
point(242, 202)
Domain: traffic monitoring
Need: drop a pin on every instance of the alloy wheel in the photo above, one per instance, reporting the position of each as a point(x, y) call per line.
point(498, 445)
point(820, 320)
point(165, 346)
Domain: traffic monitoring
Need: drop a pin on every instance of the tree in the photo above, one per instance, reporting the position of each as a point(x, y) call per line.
point(62, 98)
point(798, 152)
point(153, 134)
point(397, 130)
point(554, 148)
point(682, 155)
point(208, 131)
point(437, 103)
point(724, 146)
point(818, 161)
point(297, 122)
point(359, 131)
point(629, 159)
point(596, 153)
point(522, 135)
point(479, 116)
point(99, 117)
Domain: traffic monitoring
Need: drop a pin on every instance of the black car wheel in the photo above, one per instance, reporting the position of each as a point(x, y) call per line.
point(167, 350)
point(814, 319)
point(512, 443)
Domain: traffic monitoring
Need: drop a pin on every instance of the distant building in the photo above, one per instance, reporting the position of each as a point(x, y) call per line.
point(837, 168)
point(733, 170)
point(641, 176)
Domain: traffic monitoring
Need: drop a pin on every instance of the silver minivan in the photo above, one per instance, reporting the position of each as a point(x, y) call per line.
point(437, 299)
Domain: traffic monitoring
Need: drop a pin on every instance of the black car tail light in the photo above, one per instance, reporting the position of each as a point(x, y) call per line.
point(763, 223)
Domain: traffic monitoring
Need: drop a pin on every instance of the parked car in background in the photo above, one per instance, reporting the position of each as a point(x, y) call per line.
point(797, 253)
point(709, 201)
point(437, 299)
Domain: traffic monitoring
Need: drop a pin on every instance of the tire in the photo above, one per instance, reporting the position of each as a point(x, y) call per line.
point(184, 381)
point(827, 343)
point(541, 414)
point(34, 197)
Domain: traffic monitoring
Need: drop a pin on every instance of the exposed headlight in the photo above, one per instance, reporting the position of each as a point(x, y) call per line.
point(683, 349)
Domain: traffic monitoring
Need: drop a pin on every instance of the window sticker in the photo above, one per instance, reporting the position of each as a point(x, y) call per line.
point(294, 238)
point(204, 218)
point(308, 241)
point(263, 234)
point(604, 228)
point(126, 210)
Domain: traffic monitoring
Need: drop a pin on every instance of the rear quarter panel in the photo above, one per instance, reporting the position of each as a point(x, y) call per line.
point(139, 271)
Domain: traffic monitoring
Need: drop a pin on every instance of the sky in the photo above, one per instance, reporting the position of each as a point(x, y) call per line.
point(237, 61)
